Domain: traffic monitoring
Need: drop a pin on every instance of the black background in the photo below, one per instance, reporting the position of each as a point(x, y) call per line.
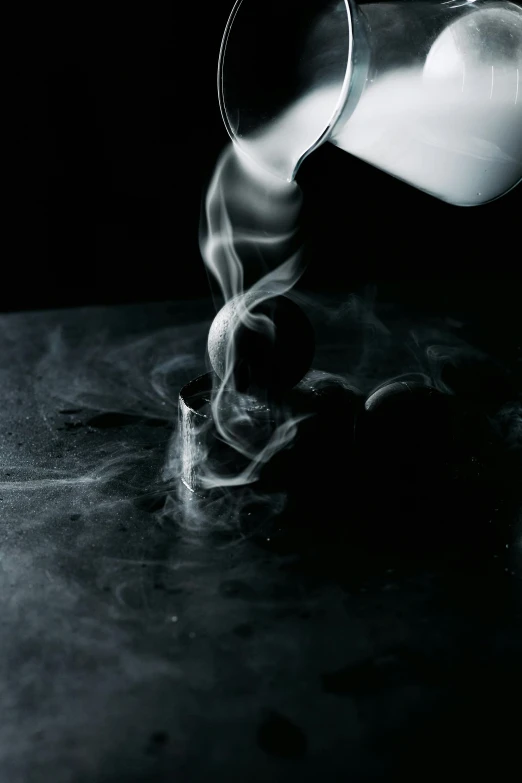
point(122, 134)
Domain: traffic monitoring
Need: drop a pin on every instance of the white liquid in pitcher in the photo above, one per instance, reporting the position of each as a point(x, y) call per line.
point(463, 146)
point(452, 128)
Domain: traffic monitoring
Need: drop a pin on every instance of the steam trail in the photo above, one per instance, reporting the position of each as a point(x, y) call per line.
point(249, 223)
point(250, 219)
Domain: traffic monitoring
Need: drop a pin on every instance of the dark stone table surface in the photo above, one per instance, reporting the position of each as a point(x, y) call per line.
point(137, 648)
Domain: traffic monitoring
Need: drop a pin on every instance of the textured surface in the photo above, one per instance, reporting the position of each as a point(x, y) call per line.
point(135, 648)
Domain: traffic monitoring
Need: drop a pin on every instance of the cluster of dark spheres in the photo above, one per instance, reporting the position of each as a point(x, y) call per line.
point(408, 465)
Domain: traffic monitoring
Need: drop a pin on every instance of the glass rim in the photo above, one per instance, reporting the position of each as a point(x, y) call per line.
point(341, 100)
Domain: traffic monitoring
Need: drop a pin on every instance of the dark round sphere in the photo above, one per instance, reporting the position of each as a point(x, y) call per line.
point(405, 432)
point(404, 447)
point(262, 360)
point(402, 412)
point(326, 416)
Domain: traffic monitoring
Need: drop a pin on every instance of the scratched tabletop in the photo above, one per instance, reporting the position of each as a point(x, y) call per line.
point(135, 647)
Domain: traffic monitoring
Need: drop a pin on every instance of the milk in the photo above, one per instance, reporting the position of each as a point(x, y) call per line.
point(463, 146)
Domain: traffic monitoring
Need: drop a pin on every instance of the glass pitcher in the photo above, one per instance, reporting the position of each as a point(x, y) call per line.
point(427, 91)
